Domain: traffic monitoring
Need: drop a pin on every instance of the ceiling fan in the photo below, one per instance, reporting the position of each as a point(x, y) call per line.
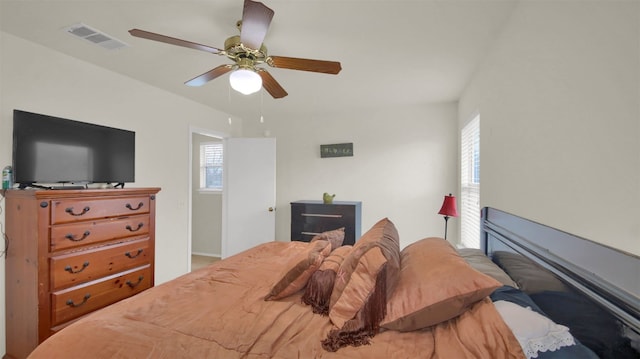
point(248, 52)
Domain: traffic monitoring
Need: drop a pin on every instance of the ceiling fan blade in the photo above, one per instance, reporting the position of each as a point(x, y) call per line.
point(256, 18)
point(209, 75)
point(172, 40)
point(271, 85)
point(327, 67)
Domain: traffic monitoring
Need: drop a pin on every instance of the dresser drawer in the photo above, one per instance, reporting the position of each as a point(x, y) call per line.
point(77, 301)
point(309, 218)
point(79, 267)
point(65, 236)
point(63, 211)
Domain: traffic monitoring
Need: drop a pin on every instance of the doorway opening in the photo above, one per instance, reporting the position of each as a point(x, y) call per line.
point(205, 197)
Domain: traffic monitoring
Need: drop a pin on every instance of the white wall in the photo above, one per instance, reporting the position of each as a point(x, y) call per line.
point(559, 99)
point(37, 79)
point(404, 162)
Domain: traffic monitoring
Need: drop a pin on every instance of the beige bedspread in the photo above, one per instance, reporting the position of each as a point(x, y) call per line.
point(219, 312)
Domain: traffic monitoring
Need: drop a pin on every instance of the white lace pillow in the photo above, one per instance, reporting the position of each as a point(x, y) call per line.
point(535, 333)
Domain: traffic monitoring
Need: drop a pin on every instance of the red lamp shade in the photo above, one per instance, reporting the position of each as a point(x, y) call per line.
point(449, 206)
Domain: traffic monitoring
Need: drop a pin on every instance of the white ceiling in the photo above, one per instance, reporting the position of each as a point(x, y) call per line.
point(393, 53)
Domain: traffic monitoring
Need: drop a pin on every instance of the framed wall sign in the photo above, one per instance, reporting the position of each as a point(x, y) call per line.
point(336, 150)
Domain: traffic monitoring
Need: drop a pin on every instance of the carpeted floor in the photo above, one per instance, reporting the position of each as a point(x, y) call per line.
point(198, 261)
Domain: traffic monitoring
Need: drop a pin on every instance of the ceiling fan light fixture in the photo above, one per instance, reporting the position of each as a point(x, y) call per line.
point(247, 51)
point(245, 81)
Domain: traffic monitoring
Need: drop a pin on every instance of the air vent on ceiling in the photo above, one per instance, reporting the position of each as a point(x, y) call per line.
point(95, 36)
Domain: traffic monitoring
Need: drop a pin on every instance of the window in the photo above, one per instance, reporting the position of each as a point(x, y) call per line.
point(211, 161)
point(470, 184)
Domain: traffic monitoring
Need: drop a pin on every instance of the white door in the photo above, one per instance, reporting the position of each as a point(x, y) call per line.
point(249, 194)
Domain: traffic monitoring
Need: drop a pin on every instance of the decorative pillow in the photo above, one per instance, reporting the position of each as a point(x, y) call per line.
point(363, 284)
point(335, 237)
point(435, 285)
point(535, 332)
point(318, 291)
point(299, 269)
point(531, 277)
point(480, 262)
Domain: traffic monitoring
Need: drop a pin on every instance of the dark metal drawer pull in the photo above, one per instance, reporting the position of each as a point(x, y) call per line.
point(84, 210)
point(133, 285)
point(321, 215)
point(135, 209)
point(71, 237)
point(70, 270)
point(74, 305)
point(128, 254)
point(140, 225)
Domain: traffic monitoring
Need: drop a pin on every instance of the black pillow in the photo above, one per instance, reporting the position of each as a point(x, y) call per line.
point(515, 296)
point(520, 298)
point(577, 351)
point(591, 325)
point(530, 277)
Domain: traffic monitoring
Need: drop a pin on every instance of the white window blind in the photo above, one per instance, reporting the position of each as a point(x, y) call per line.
point(470, 183)
point(211, 162)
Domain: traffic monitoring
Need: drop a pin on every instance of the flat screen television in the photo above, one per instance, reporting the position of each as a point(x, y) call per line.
point(53, 150)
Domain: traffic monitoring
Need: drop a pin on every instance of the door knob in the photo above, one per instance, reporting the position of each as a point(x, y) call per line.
point(271, 209)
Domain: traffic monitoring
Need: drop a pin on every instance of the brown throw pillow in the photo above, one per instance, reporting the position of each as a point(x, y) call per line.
point(435, 285)
point(299, 269)
point(317, 294)
point(364, 282)
point(335, 237)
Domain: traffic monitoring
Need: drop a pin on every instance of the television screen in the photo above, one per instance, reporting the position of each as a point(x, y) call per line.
point(49, 149)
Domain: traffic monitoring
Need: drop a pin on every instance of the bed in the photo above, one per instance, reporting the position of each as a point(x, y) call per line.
point(427, 300)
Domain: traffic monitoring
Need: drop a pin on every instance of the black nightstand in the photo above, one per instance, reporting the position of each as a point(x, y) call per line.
point(309, 218)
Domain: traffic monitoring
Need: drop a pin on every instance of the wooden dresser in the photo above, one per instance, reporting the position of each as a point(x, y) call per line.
point(71, 252)
point(309, 218)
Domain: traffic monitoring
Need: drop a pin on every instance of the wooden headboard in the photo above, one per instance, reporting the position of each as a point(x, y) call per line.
point(608, 276)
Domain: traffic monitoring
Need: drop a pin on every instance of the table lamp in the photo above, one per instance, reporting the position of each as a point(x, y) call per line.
point(448, 210)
